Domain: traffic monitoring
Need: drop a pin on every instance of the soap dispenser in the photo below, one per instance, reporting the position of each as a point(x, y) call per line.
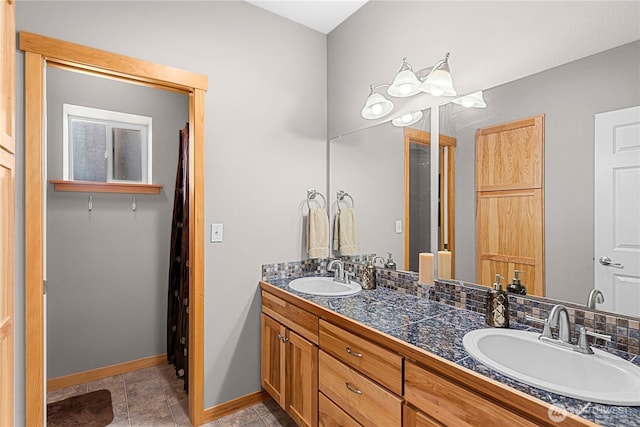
point(390, 263)
point(498, 306)
point(517, 287)
point(369, 275)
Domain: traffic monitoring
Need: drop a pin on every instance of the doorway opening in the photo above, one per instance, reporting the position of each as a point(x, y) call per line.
point(41, 51)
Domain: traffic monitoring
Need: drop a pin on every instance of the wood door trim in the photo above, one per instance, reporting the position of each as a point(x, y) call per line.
point(424, 137)
point(96, 61)
point(39, 49)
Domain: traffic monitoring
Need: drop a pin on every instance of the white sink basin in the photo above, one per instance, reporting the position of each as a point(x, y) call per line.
point(324, 286)
point(600, 377)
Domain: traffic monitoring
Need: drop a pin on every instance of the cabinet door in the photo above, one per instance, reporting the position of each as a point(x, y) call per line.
point(302, 380)
point(273, 359)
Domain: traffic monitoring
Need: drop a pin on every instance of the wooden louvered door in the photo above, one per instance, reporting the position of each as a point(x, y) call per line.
point(7, 198)
point(510, 202)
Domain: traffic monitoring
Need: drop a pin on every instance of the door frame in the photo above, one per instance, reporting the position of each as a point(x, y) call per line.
point(446, 186)
point(39, 52)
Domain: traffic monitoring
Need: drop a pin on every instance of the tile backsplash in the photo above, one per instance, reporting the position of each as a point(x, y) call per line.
point(623, 330)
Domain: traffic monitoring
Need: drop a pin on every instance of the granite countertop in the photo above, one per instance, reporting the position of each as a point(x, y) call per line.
point(439, 328)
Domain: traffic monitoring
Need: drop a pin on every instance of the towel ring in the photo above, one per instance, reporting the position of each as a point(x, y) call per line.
point(340, 195)
point(311, 195)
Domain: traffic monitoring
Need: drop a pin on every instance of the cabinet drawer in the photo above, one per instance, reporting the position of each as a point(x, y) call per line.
point(454, 405)
point(292, 316)
point(330, 415)
point(368, 403)
point(374, 361)
point(413, 418)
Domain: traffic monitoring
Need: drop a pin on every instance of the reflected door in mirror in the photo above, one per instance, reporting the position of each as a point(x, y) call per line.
point(509, 202)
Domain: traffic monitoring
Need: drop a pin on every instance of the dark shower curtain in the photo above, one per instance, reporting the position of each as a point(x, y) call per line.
point(178, 295)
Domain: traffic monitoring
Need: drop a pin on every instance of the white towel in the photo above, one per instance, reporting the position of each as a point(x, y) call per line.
point(318, 233)
point(345, 229)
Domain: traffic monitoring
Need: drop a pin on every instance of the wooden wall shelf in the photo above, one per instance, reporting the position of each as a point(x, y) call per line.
point(105, 187)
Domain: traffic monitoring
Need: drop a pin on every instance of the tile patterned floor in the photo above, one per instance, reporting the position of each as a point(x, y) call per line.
point(154, 397)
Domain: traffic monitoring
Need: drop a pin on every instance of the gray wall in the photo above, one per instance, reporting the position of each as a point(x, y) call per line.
point(265, 136)
point(369, 166)
point(569, 96)
point(108, 269)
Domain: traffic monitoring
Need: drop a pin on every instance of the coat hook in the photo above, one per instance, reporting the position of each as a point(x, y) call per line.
point(133, 204)
point(90, 203)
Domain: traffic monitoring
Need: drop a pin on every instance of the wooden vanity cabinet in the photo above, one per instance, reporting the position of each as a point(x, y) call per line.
point(445, 403)
point(362, 379)
point(289, 361)
point(367, 402)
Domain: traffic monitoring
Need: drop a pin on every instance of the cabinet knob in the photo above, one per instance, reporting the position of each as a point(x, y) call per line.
point(351, 352)
point(282, 338)
point(352, 389)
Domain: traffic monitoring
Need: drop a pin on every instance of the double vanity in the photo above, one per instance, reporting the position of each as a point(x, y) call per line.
point(382, 357)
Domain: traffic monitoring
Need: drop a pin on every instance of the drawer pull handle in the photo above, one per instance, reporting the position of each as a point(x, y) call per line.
point(353, 390)
point(353, 354)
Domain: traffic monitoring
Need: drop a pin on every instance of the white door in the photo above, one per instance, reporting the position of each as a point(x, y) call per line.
point(617, 209)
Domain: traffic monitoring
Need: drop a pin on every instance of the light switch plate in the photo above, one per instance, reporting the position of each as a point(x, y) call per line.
point(398, 226)
point(216, 233)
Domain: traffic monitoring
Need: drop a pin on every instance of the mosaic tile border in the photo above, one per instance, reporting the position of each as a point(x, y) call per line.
point(624, 330)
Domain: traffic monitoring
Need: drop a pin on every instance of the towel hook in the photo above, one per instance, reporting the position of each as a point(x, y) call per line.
point(311, 195)
point(340, 195)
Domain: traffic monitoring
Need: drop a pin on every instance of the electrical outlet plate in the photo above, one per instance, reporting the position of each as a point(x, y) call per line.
point(398, 226)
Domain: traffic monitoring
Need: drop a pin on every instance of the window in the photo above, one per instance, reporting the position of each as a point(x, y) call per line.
point(106, 146)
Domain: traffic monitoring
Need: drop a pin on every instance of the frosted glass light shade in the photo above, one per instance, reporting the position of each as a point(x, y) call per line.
point(376, 106)
point(405, 83)
point(439, 82)
point(407, 119)
point(473, 100)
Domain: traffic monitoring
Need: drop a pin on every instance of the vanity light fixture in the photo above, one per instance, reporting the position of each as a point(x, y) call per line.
point(405, 83)
point(434, 80)
point(376, 106)
point(407, 119)
point(473, 100)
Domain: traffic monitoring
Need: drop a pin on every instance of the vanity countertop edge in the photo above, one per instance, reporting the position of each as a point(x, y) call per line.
point(490, 389)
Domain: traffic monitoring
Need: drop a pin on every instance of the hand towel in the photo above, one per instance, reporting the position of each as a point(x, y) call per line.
point(347, 232)
point(318, 233)
point(336, 232)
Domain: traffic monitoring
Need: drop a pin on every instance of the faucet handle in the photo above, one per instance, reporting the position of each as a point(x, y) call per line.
point(596, 335)
point(546, 331)
point(348, 276)
point(583, 344)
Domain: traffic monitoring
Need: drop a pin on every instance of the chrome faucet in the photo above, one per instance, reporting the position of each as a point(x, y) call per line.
point(559, 317)
point(339, 275)
point(595, 296)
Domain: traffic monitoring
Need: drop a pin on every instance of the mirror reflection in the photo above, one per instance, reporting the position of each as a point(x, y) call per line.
point(370, 163)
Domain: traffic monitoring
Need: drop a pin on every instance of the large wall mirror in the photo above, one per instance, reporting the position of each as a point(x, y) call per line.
point(369, 164)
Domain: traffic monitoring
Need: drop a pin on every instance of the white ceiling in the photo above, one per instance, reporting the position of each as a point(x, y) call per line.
point(322, 16)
